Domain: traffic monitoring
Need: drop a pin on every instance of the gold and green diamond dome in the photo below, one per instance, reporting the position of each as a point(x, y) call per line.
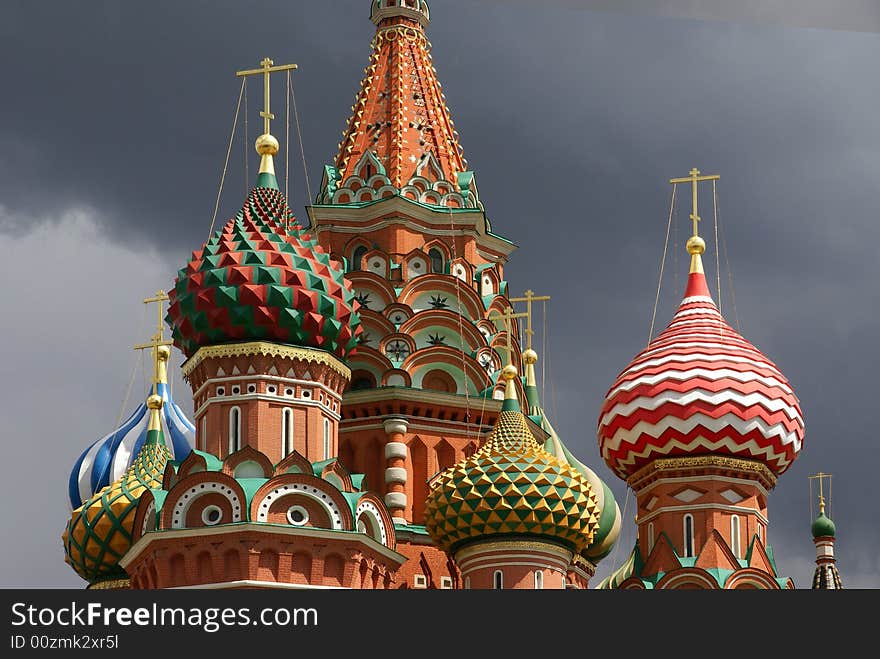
point(99, 532)
point(262, 277)
point(511, 486)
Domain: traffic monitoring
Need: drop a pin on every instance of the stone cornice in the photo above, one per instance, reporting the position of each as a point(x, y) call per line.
point(702, 463)
point(265, 349)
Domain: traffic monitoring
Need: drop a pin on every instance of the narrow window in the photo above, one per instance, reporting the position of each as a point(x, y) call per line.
point(436, 261)
point(689, 535)
point(539, 580)
point(234, 429)
point(650, 537)
point(467, 583)
point(357, 257)
point(498, 580)
point(326, 439)
point(734, 536)
point(286, 432)
point(203, 434)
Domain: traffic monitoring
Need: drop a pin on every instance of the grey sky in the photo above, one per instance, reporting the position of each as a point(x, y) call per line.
point(113, 131)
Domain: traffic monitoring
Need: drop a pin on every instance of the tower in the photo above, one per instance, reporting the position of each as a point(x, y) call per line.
point(700, 425)
point(826, 576)
point(265, 321)
point(399, 211)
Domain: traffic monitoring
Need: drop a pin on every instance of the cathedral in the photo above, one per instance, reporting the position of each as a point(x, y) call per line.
point(365, 404)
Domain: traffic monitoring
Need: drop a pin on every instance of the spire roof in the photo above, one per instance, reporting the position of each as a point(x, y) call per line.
point(400, 126)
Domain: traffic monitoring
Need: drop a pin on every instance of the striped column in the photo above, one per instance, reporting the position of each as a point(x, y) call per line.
point(395, 469)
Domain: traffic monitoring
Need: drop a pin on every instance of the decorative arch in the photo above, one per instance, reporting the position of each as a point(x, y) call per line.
point(397, 313)
point(377, 262)
point(418, 295)
point(398, 346)
point(751, 578)
point(375, 327)
point(248, 454)
point(439, 380)
point(380, 291)
point(444, 322)
point(308, 486)
point(396, 377)
point(373, 512)
point(463, 270)
point(368, 362)
point(336, 474)
point(294, 463)
point(450, 360)
point(688, 577)
point(189, 490)
point(192, 464)
point(416, 264)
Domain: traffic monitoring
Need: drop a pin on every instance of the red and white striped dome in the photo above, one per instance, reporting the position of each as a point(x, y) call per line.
point(700, 388)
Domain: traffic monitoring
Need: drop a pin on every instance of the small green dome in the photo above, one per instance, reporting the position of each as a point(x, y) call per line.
point(822, 526)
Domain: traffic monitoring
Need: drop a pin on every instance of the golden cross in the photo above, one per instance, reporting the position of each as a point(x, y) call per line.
point(528, 299)
point(820, 476)
point(158, 339)
point(693, 179)
point(266, 69)
point(508, 316)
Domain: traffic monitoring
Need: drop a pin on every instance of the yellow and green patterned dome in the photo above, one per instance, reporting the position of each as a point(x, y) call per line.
point(511, 486)
point(99, 532)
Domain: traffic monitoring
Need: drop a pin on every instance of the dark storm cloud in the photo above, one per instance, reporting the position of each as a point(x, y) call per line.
point(856, 15)
point(573, 120)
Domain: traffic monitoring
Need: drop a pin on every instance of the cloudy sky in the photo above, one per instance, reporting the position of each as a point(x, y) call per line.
point(114, 126)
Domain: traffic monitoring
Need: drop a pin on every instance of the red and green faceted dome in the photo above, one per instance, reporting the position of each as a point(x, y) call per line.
point(262, 278)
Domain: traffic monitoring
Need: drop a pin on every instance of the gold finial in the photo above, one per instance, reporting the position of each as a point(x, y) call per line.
point(154, 403)
point(696, 246)
point(266, 144)
point(158, 344)
point(528, 299)
point(509, 374)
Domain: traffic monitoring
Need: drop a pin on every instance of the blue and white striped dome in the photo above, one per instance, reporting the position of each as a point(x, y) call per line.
point(106, 460)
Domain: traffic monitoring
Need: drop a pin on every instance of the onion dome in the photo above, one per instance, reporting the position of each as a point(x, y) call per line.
point(822, 526)
point(700, 388)
point(99, 532)
point(106, 460)
point(261, 277)
point(608, 530)
point(511, 486)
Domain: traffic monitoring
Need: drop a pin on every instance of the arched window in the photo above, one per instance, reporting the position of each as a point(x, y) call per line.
point(689, 535)
point(436, 260)
point(539, 580)
point(286, 432)
point(498, 580)
point(735, 545)
point(326, 439)
point(467, 583)
point(234, 429)
point(203, 434)
point(356, 258)
point(650, 537)
point(758, 533)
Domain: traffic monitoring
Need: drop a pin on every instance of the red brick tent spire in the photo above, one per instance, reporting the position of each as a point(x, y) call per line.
point(400, 126)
